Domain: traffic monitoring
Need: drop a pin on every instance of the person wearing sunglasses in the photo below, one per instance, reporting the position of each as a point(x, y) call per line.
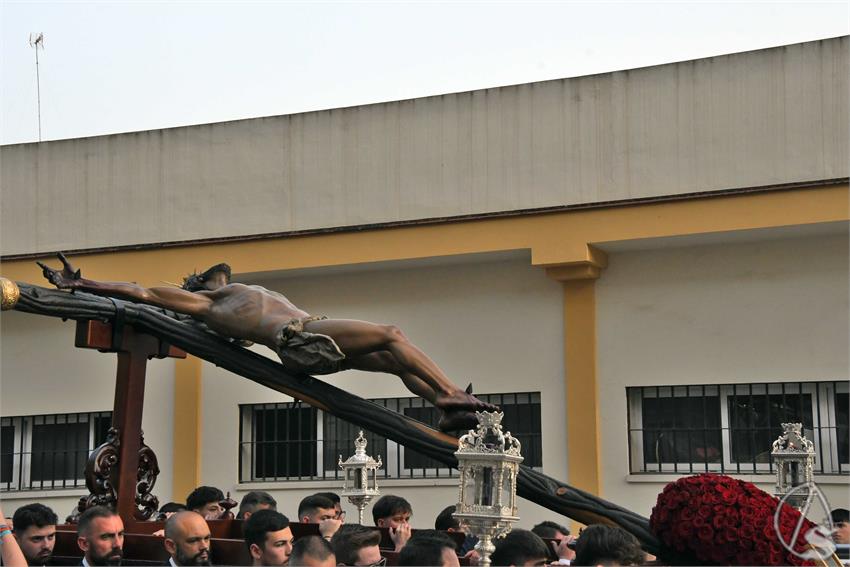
point(354, 544)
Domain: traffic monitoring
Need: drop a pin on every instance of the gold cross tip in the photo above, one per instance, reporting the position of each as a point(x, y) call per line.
point(9, 294)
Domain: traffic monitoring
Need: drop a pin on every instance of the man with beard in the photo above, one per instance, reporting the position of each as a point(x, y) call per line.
point(268, 538)
point(100, 534)
point(35, 530)
point(187, 539)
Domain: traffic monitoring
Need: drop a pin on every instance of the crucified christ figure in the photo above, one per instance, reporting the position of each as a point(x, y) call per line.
point(305, 344)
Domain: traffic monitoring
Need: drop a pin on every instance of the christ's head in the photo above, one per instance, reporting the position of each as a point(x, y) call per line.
point(214, 278)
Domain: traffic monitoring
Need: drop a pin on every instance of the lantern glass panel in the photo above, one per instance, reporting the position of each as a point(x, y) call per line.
point(794, 470)
point(469, 488)
point(506, 488)
point(488, 486)
point(358, 478)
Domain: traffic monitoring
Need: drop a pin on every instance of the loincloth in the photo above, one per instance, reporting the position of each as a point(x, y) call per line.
point(310, 353)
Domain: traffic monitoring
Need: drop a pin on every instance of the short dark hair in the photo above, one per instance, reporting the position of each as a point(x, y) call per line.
point(35, 514)
point(310, 546)
point(349, 539)
point(388, 506)
point(87, 517)
point(425, 547)
point(253, 499)
point(310, 504)
point(838, 515)
point(332, 496)
point(202, 496)
point(196, 281)
point(518, 547)
point(169, 507)
point(607, 545)
point(446, 520)
point(549, 529)
point(260, 523)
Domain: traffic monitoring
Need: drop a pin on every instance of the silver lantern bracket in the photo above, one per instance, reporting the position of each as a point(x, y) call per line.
point(360, 476)
point(488, 461)
point(794, 457)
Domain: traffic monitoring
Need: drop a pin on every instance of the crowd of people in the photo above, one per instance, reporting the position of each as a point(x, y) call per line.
point(30, 537)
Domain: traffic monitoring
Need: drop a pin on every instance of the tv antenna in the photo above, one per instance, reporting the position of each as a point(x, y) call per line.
point(37, 42)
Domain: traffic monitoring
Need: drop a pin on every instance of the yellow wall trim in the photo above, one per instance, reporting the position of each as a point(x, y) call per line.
point(553, 238)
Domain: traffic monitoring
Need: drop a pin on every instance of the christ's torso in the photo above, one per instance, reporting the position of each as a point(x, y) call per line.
point(250, 312)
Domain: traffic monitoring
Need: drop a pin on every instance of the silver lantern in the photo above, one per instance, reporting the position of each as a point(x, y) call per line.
point(360, 474)
point(488, 461)
point(794, 457)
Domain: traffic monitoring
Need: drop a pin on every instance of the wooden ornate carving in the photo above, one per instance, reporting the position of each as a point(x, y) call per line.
point(148, 471)
point(227, 504)
point(101, 475)
point(102, 478)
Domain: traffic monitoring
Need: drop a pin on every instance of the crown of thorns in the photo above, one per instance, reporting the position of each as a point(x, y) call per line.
point(195, 281)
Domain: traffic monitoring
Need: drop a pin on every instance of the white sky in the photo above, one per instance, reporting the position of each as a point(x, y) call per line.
point(115, 67)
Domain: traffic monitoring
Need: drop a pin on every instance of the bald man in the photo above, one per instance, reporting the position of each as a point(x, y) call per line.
point(187, 539)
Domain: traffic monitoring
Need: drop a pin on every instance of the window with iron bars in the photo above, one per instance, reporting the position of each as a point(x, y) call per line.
point(293, 441)
point(730, 428)
point(46, 452)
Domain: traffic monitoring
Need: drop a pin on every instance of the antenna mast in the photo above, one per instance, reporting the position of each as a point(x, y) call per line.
point(37, 42)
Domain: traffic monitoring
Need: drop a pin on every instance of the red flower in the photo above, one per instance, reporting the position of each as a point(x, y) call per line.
point(769, 532)
point(705, 533)
point(719, 519)
point(729, 497)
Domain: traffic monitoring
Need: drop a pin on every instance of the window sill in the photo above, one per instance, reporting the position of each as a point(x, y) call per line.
point(44, 493)
point(337, 484)
point(827, 479)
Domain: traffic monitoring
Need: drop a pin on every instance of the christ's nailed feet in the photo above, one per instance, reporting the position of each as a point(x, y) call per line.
point(457, 420)
point(462, 401)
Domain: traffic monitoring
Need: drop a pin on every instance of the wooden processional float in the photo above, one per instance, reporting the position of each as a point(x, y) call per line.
point(138, 332)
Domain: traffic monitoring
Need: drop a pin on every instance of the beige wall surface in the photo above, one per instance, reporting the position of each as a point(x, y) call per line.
point(750, 312)
point(497, 325)
point(41, 372)
point(751, 119)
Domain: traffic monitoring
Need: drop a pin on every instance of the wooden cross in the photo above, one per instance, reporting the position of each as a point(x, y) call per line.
point(133, 349)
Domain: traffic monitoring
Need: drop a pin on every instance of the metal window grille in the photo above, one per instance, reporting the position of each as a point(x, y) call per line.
point(46, 452)
point(730, 428)
point(292, 441)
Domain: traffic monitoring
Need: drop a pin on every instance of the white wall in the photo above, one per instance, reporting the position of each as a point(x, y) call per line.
point(41, 372)
point(749, 119)
point(498, 325)
point(734, 313)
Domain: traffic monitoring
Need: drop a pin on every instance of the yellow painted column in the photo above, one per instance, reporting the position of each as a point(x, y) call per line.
point(186, 475)
point(582, 391)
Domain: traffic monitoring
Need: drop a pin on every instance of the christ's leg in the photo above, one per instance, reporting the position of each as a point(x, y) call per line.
point(383, 361)
point(356, 338)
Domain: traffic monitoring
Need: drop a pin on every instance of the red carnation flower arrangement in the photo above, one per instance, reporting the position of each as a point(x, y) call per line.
point(721, 520)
